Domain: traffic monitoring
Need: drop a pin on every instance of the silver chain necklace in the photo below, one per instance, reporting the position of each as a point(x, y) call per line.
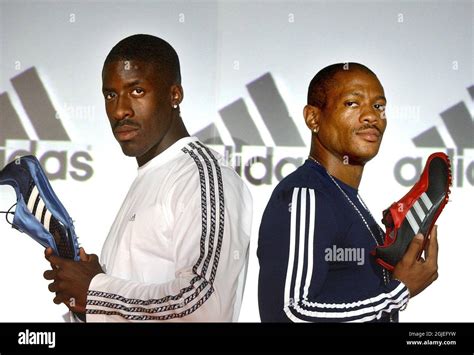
point(385, 276)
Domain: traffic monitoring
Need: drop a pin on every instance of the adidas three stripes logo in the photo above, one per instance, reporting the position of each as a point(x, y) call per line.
point(38, 209)
point(418, 211)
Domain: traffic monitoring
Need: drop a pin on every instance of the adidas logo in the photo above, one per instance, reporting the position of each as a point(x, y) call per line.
point(241, 126)
point(37, 208)
point(42, 115)
point(460, 126)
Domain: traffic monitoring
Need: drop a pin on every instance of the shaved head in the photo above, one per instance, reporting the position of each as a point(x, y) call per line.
point(325, 79)
point(152, 50)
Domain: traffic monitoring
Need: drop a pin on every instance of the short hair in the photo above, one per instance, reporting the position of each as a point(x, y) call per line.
point(324, 79)
point(148, 49)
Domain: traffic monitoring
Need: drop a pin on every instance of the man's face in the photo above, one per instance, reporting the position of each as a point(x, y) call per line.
point(353, 121)
point(137, 105)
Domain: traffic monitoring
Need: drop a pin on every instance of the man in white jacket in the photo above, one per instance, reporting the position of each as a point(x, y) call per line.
point(178, 248)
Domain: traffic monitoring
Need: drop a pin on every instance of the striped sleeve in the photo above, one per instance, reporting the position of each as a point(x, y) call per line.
point(198, 232)
point(300, 275)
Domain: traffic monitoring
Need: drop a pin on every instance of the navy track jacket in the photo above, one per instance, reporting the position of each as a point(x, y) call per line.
point(314, 255)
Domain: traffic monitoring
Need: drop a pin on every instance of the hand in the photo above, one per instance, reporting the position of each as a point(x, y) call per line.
point(419, 274)
point(71, 278)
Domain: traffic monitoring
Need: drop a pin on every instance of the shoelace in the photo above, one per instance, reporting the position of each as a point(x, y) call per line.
point(7, 213)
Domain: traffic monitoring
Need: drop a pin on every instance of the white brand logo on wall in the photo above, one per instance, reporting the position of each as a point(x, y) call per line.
point(237, 119)
point(460, 126)
point(42, 115)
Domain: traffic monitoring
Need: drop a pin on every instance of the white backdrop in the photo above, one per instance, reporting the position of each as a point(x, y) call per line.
point(421, 51)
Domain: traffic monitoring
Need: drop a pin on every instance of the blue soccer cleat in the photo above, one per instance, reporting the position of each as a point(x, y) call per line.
point(39, 213)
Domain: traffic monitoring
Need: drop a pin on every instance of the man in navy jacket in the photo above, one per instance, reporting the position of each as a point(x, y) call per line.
point(316, 233)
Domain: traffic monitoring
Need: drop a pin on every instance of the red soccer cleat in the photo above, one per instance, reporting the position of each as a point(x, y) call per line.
point(416, 212)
